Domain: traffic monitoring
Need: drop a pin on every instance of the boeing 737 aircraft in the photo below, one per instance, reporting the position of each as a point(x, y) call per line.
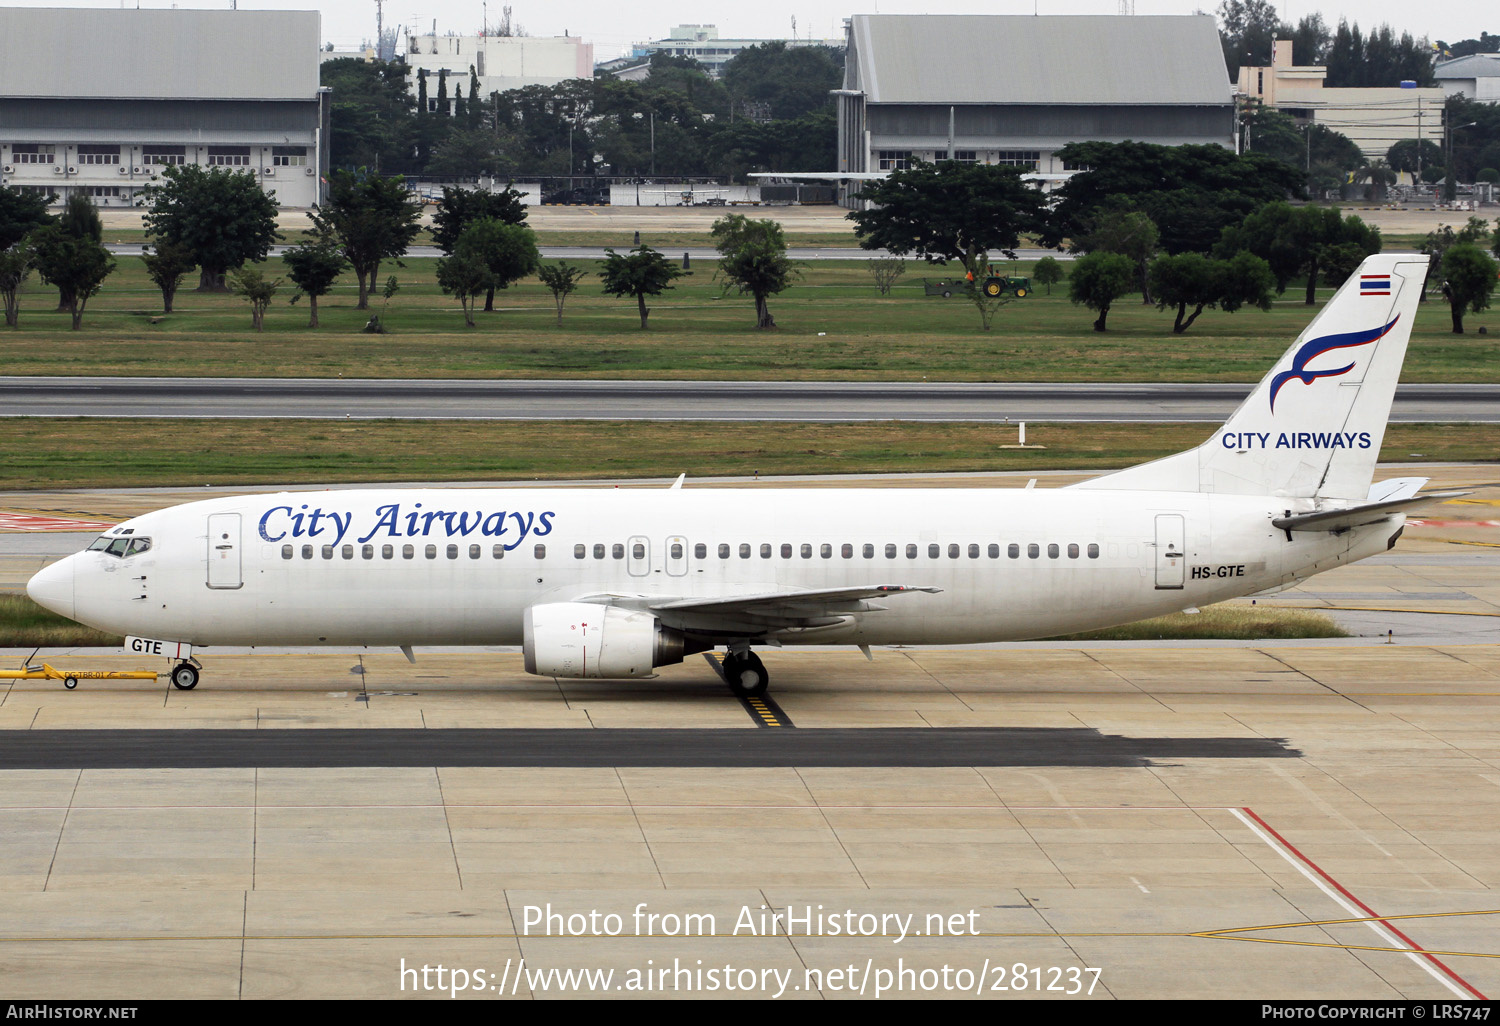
point(614, 583)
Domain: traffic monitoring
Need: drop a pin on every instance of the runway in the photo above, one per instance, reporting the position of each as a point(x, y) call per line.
point(681, 400)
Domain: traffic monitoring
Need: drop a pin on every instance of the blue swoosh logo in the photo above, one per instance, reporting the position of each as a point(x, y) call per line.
point(1326, 344)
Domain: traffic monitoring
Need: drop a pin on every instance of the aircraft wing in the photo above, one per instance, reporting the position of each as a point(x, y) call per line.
point(1355, 516)
point(762, 611)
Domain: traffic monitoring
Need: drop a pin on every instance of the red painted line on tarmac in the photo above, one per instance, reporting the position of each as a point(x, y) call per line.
point(36, 522)
point(1425, 522)
point(1415, 947)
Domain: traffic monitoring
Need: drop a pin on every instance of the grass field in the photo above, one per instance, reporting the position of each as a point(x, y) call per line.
point(832, 324)
point(37, 453)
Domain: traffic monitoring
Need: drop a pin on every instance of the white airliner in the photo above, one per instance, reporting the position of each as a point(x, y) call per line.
point(613, 583)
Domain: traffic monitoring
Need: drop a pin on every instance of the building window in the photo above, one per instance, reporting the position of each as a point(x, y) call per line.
point(98, 154)
point(1019, 158)
point(893, 160)
point(1068, 165)
point(100, 191)
point(966, 156)
point(33, 153)
point(162, 156)
point(288, 156)
point(229, 156)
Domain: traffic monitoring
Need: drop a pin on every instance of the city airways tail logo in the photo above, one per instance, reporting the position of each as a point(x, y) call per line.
point(1319, 346)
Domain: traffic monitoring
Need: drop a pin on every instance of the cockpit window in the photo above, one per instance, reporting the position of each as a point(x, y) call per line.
point(120, 546)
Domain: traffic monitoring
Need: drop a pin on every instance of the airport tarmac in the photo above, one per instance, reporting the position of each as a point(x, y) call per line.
point(1292, 820)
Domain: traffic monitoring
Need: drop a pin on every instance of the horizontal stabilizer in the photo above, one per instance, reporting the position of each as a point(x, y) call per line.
point(1356, 516)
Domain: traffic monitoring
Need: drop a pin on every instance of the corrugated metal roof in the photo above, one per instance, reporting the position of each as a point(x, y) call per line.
point(1476, 65)
point(162, 54)
point(1093, 59)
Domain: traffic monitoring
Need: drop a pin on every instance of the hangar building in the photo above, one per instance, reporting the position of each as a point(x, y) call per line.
point(99, 101)
point(1011, 89)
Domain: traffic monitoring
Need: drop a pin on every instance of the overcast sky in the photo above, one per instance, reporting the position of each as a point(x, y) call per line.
point(612, 26)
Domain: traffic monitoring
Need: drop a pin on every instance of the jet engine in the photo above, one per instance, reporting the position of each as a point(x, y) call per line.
point(583, 639)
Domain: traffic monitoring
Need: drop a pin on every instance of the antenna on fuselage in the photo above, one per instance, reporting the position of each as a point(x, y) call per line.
point(677, 485)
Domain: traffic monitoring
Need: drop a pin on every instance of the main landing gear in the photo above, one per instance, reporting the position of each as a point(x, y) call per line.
point(184, 676)
point(745, 673)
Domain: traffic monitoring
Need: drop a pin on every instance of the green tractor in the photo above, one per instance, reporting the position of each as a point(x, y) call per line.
point(997, 284)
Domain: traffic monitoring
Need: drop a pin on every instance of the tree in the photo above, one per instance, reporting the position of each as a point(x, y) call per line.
point(79, 220)
point(789, 81)
point(465, 276)
point(1098, 279)
point(951, 211)
point(373, 218)
point(885, 271)
point(20, 212)
point(1468, 280)
point(313, 267)
point(1192, 193)
point(373, 116)
point(508, 252)
point(1412, 155)
point(561, 280)
point(1307, 241)
point(641, 273)
point(223, 217)
point(15, 266)
point(1438, 242)
point(166, 266)
point(1048, 272)
point(76, 266)
point(258, 290)
point(1129, 233)
point(1191, 279)
point(460, 208)
point(1249, 27)
point(752, 258)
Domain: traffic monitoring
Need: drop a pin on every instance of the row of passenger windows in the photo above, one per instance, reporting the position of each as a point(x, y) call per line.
point(846, 550)
point(389, 551)
point(700, 551)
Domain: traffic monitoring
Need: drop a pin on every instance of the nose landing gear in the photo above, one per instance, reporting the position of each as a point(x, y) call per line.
point(184, 676)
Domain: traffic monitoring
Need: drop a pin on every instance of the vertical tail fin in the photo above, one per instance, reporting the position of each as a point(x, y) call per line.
point(1314, 425)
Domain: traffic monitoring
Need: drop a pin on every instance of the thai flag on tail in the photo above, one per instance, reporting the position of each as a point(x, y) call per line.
point(1374, 284)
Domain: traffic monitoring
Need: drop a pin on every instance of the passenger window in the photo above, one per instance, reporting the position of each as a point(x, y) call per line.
point(307, 552)
point(700, 551)
point(347, 551)
point(933, 550)
point(744, 550)
point(1093, 550)
point(541, 552)
point(868, 551)
point(452, 551)
point(387, 551)
point(890, 550)
point(473, 551)
point(408, 551)
point(1013, 550)
point(1052, 551)
point(723, 550)
point(638, 551)
point(994, 552)
point(431, 552)
point(676, 551)
point(765, 550)
point(286, 552)
point(598, 550)
point(498, 552)
point(953, 550)
point(367, 551)
point(911, 550)
point(973, 551)
point(1033, 551)
point(786, 550)
point(846, 550)
point(825, 550)
point(617, 551)
point(580, 551)
point(327, 551)
point(806, 550)
point(1072, 551)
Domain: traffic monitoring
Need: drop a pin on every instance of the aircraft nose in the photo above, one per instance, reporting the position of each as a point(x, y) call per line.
point(52, 587)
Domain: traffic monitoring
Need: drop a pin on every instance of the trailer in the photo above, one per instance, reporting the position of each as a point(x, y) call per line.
point(70, 678)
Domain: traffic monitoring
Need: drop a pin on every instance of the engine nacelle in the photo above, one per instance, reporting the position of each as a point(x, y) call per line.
point(583, 639)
